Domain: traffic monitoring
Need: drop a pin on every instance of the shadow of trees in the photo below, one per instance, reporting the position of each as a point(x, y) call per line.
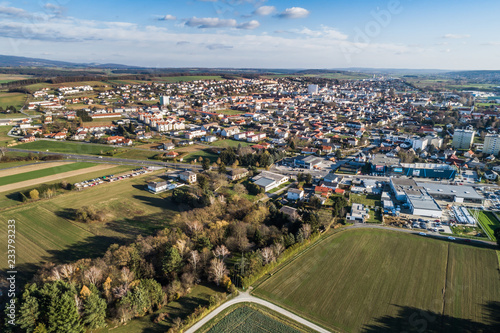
point(411, 319)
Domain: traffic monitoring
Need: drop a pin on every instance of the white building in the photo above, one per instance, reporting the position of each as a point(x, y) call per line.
point(491, 144)
point(295, 194)
point(463, 138)
point(312, 89)
point(164, 100)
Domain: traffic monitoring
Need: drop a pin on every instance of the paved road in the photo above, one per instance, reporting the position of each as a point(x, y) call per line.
point(246, 297)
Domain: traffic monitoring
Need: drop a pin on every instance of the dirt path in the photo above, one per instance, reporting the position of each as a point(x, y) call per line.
point(246, 297)
point(52, 178)
point(28, 168)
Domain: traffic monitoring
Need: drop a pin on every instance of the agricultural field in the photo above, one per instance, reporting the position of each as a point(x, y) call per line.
point(20, 176)
point(15, 99)
point(46, 229)
point(374, 280)
point(173, 79)
point(66, 147)
point(248, 317)
point(38, 86)
point(489, 222)
point(4, 138)
point(6, 78)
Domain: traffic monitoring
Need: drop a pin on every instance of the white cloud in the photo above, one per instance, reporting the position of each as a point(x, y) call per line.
point(56, 9)
point(168, 17)
point(325, 32)
point(16, 12)
point(253, 24)
point(218, 47)
point(455, 36)
point(210, 22)
point(264, 10)
point(294, 13)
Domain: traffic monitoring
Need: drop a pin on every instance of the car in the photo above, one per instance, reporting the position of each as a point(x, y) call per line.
point(441, 230)
point(451, 238)
point(422, 233)
point(100, 156)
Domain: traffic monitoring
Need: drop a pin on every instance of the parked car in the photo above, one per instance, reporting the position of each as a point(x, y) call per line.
point(451, 238)
point(422, 233)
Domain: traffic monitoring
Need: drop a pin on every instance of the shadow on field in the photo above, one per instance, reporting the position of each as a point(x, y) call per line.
point(91, 247)
point(472, 242)
point(410, 319)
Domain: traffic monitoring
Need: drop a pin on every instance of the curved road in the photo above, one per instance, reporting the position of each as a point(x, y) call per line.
point(247, 298)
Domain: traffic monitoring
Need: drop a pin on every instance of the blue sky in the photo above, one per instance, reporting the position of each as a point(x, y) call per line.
point(256, 33)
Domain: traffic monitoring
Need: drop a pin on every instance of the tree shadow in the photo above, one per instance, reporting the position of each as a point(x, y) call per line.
point(411, 319)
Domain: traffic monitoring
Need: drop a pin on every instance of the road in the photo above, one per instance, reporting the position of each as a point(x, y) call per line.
point(245, 297)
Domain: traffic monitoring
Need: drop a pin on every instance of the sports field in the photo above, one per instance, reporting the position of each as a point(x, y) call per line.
point(46, 230)
point(489, 223)
point(248, 317)
point(374, 280)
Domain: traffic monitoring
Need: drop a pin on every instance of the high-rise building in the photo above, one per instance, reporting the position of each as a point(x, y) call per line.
point(312, 89)
point(491, 144)
point(463, 138)
point(164, 100)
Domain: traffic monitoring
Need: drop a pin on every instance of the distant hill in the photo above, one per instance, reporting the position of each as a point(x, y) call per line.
point(13, 61)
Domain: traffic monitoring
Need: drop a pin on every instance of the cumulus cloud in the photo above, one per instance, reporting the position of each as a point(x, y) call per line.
point(56, 9)
point(294, 13)
point(253, 24)
point(168, 17)
point(264, 10)
point(455, 36)
point(210, 22)
point(15, 12)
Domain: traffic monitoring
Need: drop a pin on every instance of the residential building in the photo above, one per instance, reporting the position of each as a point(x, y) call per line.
point(290, 212)
point(491, 144)
point(295, 194)
point(157, 187)
point(269, 180)
point(463, 138)
point(236, 174)
point(358, 213)
point(188, 176)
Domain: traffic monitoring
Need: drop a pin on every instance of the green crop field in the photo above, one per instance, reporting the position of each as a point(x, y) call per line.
point(44, 172)
point(374, 280)
point(15, 99)
point(249, 317)
point(66, 147)
point(489, 223)
point(46, 230)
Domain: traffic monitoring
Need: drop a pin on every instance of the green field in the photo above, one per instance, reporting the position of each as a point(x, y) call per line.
point(369, 200)
point(43, 173)
point(173, 79)
point(374, 280)
point(15, 99)
point(249, 317)
point(66, 147)
point(231, 143)
point(195, 155)
point(489, 223)
point(46, 230)
point(3, 134)
point(230, 112)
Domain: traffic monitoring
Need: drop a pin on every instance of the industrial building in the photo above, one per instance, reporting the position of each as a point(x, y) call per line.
point(453, 193)
point(419, 201)
point(269, 180)
point(307, 162)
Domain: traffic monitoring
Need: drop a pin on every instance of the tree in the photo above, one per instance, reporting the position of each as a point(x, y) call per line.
point(94, 310)
point(29, 310)
point(63, 315)
point(267, 255)
point(221, 252)
point(217, 270)
point(205, 164)
point(306, 230)
point(171, 260)
point(315, 202)
point(34, 194)
point(308, 178)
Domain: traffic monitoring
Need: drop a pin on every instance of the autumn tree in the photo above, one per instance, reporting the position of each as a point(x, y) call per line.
point(217, 270)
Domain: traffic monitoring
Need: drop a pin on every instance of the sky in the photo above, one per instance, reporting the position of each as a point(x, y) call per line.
point(423, 34)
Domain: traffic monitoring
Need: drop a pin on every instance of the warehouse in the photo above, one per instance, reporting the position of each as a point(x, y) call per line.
point(453, 193)
point(424, 205)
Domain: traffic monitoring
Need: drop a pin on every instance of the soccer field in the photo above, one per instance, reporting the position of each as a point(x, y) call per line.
point(374, 280)
point(489, 222)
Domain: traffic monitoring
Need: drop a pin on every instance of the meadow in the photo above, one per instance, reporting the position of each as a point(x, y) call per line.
point(47, 232)
point(66, 147)
point(44, 172)
point(374, 280)
point(15, 99)
point(489, 222)
point(249, 317)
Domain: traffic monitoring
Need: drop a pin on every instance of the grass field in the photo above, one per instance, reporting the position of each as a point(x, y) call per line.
point(249, 317)
point(44, 172)
point(46, 231)
point(195, 155)
point(65, 147)
point(370, 200)
point(231, 143)
point(38, 86)
point(489, 223)
point(15, 99)
point(374, 280)
point(173, 79)
point(230, 112)
point(3, 134)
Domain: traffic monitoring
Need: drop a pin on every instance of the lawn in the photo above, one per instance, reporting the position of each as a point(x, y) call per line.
point(3, 134)
point(249, 317)
point(44, 172)
point(230, 112)
point(231, 143)
point(489, 222)
point(66, 147)
point(195, 155)
point(374, 280)
point(15, 99)
point(374, 217)
point(369, 200)
point(46, 230)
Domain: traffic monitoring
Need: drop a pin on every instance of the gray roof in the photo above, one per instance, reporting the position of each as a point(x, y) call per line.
point(423, 201)
point(381, 159)
point(462, 191)
point(295, 190)
point(264, 182)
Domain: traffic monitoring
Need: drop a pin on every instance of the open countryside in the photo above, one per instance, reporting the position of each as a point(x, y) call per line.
point(377, 277)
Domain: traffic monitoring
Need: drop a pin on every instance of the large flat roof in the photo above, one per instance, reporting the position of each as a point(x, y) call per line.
point(381, 159)
point(423, 201)
point(462, 191)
